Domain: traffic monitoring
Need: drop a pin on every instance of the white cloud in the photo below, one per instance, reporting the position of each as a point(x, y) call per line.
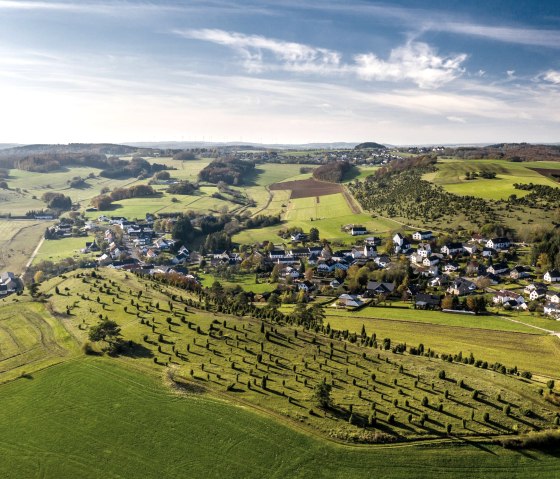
point(252, 48)
point(552, 76)
point(456, 119)
point(416, 61)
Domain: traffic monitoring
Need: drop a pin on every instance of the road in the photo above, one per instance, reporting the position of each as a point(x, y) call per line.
point(32, 257)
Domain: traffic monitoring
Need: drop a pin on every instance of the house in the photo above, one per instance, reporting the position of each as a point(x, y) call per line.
point(451, 267)
point(553, 297)
point(498, 243)
point(373, 241)
point(375, 288)
point(10, 283)
point(430, 261)
point(451, 248)
point(416, 258)
point(552, 276)
point(530, 287)
point(424, 250)
point(537, 293)
point(470, 248)
point(461, 287)
point(519, 272)
point(325, 266)
point(276, 254)
point(298, 237)
point(382, 261)
point(503, 296)
point(488, 252)
point(427, 301)
point(335, 283)
point(438, 281)
point(90, 247)
point(299, 252)
point(398, 239)
point(305, 286)
point(422, 235)
point(498, 268)
point(369, 251)
point(552, 309)
point(349, 301)
point(358, 230)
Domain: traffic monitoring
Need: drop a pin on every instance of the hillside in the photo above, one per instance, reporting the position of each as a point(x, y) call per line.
point(380, 390)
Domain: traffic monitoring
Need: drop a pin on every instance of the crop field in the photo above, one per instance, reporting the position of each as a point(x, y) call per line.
point(30, 339)
point(308, 188)
point(80, 416)
point(275, 367)
point(451, 175)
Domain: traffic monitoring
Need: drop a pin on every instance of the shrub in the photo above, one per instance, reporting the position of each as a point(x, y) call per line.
point(441, 374)
point(486, 417)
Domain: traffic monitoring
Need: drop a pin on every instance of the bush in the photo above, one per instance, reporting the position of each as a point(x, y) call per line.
point(486, 417)
point(441, 374)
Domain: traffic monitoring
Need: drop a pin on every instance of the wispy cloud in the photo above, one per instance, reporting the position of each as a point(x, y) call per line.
point(252, 48)
point(416, 61)
point(424, 20)
point(552, 76)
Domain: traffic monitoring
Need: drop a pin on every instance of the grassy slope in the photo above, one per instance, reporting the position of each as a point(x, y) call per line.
point(31, 339)
point(18, 240)
point(96, 416)
point(451, 175)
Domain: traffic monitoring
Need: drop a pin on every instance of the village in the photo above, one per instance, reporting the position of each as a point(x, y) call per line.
point(419, 269)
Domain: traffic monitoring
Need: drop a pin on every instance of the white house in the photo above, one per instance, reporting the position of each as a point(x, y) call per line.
point(498, 243)
point(358, 230)
point(430, 261)
point(422, 235)
point(553, 297)
point(452, 248)
point(552, 309)
point(424, 250)
point(503, 296)
point(551, 276)
point(349, 301)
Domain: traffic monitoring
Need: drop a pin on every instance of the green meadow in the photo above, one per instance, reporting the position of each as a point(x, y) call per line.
point(113, 420)
point(451, 175)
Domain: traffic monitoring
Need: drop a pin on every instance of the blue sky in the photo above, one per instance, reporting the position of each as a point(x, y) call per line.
point(291, 71)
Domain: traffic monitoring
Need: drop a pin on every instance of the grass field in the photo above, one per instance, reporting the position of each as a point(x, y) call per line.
point(326, 213)
point(31, 339)
point(80, 417)
point(219, 355)
point(56, 250)
point(18, 240)
point(246, 281)
point(451, 175)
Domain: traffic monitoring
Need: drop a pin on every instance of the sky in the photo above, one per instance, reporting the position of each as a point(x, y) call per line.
point(271, 71)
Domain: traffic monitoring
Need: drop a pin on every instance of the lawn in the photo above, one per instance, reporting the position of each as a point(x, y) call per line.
point(98, 419)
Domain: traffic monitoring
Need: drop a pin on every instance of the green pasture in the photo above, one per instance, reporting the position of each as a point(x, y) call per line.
point(451, 175)
point(78, 418)
point(534, 352)
point(402, 311)
point(56, 250)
